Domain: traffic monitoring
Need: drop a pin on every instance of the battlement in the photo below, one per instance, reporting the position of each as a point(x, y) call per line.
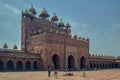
point(104, 56)
point(43, 23)
point(9, 50)
point(38, 26)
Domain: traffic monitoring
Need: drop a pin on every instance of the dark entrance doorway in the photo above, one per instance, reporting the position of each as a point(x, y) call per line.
point(10, 65)
point(91, 65)
point(19, 66)
point(116, 65)
point(71, 62)
point(83, 62)
point(1, 66)
point(35, 67)
point(27, 65)
point(55, 60)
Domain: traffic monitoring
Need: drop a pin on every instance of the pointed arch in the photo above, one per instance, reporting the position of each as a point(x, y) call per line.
point(1, 65)
point(82, 62)
point(71, 62)
point(55, 60)
point(19, 65)
point(28, 65)
point(35, 65)
point(10, 65)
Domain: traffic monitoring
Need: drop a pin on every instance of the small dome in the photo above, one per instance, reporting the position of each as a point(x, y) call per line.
point(87, 39)
point(75, 36)
point(68, 25)
point(14, 47)
point(61, 24)
point(54, 18)
point(80, 37)
point(83, 38)
point(28, 13)
point(5, 46)
point(44, 13)
point(32, 9)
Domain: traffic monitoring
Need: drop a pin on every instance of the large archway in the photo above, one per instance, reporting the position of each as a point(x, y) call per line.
point(97, 66)
point(35, 66)
point(1, 66)
point(91, 65)
point(82, 62)
point(55, 60)
point(116, 65)
point(19, 66)
point(27, 65)
point(71, 62)
point(10, 65)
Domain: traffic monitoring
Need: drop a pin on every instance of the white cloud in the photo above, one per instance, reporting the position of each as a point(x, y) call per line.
point(12, 8)
point(84, 25)
point(115, 26)
point(9, 7)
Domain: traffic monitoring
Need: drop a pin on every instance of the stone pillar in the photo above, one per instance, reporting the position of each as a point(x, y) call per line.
point(24, 65)
point(31, 62)
point(15, 65)
point(5, 65)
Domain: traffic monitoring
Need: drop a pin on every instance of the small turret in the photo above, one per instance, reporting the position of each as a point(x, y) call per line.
point(32, 9)
point(80, 38)
point(68, 25)
point(15, 47)
point(75, 36)
point(83, 38)
point(28, 13)
point(87, 39)
point(61, 24)
point(54, 18)
point(96, 55)
point(44, 14)
point(5, 46)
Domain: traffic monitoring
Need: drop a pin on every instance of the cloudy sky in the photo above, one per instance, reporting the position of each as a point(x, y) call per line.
point(98, 20)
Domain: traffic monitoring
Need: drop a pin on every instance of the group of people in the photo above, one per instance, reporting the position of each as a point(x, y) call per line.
point(65, 73)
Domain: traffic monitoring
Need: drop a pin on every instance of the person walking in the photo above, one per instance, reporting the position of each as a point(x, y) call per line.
point(49, 71)
point(55, 73)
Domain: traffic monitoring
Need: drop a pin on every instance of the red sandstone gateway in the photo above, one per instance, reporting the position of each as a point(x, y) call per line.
point(45, 43)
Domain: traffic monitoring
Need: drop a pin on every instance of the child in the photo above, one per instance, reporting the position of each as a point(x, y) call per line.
point(55, 73)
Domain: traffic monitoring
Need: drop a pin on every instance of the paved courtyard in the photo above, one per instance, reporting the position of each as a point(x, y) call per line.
point(111, 74)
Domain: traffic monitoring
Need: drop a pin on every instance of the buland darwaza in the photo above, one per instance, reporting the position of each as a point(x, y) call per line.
point(48, 42)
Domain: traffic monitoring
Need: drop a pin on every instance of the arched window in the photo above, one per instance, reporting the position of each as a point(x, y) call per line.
point(1, 66)
point(10, 65)
point(27, 65)
point(35, 65)
point(82, 62)
point(71, 62)
point(19, 65)
point(55, 60)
